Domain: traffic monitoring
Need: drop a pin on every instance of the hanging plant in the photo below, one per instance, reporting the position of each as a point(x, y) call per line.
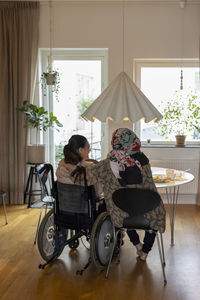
point(51, 78)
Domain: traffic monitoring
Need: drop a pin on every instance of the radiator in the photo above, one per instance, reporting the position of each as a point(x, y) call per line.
point(181, 164)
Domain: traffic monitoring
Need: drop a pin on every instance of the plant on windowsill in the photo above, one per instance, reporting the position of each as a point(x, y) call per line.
point(39, 119)
point(181, 114)
point(50, 78)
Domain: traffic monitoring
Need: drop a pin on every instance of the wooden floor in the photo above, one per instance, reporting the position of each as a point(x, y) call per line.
point(20, 278)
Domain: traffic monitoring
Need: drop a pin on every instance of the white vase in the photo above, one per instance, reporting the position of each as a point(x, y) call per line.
point(36, 154)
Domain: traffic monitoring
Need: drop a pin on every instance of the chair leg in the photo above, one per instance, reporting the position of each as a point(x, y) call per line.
point(161, 259)
point(30, 188)
point(4, 207)
point(111, 255)
point(120, 244)
point(27, 186)
point(38, 225)
point(162, 248)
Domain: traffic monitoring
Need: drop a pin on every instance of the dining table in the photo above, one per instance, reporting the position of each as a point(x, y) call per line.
point(171, 180)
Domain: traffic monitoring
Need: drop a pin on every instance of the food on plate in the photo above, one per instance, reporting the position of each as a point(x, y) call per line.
point(159, 178)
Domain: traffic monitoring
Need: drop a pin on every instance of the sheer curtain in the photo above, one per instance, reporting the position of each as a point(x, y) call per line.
point(19, 30)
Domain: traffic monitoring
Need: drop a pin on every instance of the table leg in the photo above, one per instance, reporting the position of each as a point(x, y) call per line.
point(172, 198)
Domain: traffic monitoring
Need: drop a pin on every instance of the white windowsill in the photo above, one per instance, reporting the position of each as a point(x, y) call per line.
point(164, 145)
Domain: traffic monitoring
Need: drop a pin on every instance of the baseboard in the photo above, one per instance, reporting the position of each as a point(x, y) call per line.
point(182, 198)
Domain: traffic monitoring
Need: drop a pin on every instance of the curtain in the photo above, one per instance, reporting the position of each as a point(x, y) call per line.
point(19, 30)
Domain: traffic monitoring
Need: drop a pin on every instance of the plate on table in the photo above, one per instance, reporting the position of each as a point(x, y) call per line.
point(158, 178)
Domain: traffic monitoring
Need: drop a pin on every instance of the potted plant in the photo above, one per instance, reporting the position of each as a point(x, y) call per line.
point(39, 119)
point(50, 78)
point(180, 115)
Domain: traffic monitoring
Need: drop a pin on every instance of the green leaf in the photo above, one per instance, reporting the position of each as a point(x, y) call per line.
point(181, 113)
point(37, 117)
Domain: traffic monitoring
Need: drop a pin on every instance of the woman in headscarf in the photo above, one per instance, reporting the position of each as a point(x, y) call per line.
point(131, 167)
point(126, 166)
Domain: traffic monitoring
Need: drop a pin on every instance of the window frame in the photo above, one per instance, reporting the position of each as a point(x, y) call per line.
point(69, 54)
point(138, 64)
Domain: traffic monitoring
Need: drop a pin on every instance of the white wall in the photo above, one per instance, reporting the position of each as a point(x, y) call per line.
point(151, 30)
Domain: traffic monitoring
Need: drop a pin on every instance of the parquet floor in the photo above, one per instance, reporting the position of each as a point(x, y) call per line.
point(20, 278)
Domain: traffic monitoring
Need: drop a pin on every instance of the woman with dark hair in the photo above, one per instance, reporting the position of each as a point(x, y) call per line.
point(76, 152)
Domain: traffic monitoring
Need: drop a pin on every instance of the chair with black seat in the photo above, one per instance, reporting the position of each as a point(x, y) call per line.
point(43, 171)
point(136, 202)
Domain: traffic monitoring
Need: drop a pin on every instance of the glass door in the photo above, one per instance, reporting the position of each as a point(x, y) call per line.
point(83, 75)
point(80, 85)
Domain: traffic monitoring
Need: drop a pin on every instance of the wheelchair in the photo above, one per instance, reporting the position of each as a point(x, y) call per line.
point(75, 214)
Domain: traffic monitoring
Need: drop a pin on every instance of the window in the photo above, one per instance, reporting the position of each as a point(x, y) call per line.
point(159, 80)
point(82, 77)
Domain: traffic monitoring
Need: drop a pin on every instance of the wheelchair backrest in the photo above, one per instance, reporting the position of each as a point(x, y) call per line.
point(72, 198)
point(74, 206)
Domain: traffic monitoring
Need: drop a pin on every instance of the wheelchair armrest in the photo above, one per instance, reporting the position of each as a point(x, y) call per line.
point(99, 199)
point(92, 160)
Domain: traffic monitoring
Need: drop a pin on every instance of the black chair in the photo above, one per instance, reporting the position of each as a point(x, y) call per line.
point(136, 202)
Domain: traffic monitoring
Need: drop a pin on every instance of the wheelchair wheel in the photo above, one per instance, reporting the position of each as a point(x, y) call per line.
point(46, 237)
point(102, 239)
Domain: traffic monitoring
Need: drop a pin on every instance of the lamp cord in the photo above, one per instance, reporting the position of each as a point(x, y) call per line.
point(50, 34)
point(123, 33)
point(182, 42)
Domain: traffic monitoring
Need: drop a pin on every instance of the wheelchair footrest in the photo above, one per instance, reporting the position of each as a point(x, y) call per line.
point(42, 266)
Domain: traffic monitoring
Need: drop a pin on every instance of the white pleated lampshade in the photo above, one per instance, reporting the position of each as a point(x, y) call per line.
point(122, 100)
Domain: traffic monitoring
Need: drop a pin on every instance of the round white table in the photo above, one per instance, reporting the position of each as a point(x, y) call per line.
point(172, 191)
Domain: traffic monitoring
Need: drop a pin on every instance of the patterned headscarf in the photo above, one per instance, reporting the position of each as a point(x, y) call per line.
point(125, 143)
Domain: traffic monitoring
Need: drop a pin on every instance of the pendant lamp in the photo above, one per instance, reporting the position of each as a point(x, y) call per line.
point(122, 100)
